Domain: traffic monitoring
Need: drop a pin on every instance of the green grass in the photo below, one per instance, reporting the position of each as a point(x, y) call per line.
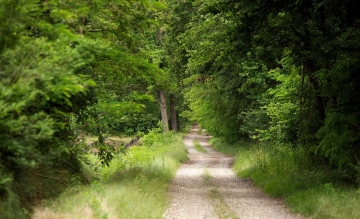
point(112, 140)
point(198, 147)
point(326, 201)
point(284, 172)
point(227, 148)
point(11, 208)
point(221, 208)
point(133, 186)
point(206, 176)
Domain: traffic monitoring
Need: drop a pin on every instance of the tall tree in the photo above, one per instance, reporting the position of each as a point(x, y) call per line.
point(67, 67)
point(284, 71)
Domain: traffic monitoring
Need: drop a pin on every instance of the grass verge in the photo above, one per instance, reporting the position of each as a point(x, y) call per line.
point(133, 186)
point(198, 147)
point(285, 172)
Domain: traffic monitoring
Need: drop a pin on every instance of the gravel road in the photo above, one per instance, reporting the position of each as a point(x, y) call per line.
point(206, 187)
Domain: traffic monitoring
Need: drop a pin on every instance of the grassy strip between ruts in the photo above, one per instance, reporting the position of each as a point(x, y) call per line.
point(198, 147)
point(283, 172)
point(133, 186)
point(221, 209)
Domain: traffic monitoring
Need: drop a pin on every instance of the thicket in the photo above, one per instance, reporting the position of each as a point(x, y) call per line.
point(134, 185)
point(69, 69)
point(285, 73)
point(281, 72)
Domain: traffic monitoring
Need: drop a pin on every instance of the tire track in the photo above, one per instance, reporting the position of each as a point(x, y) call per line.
point(206, 187)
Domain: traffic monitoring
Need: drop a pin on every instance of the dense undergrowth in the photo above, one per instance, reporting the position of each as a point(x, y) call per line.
point(285, 172)
point(132, 186)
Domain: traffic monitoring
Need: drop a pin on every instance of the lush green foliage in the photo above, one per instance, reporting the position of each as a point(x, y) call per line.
point(285, 172)
point(132, 186)
point(67, 69)
point(327, 201)
point(279, 71)
point(283, 73)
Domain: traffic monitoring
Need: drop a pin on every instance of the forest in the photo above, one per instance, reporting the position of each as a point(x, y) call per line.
point(280, 75)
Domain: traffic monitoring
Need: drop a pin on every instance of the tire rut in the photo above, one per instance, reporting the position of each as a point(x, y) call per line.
point(206, 187)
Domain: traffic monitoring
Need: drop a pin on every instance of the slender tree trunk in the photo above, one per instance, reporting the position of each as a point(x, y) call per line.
point(173, 113)
point(163, 110)
point(319, 99)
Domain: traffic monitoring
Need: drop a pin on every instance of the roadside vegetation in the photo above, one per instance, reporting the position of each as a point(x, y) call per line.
point(77, 77)
point(278, 81)
point(285, 172)
point(285, 74)
point(134, 184)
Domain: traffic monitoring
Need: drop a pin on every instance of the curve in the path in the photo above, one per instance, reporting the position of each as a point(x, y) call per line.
point(206, 187)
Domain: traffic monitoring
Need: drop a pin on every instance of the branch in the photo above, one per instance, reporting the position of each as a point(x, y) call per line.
point(46, 168)
point(49, 177)
point(67, 162)
point(354, 124)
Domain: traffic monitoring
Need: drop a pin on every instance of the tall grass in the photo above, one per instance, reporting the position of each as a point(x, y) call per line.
point(133, 186)
point(326, 201)
point(228, 148)
point(286, 172)
point(11, 208)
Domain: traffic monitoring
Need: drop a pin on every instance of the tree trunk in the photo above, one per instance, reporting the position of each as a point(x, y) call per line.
point(163, 110)
point(319, 100)
point(173, 114)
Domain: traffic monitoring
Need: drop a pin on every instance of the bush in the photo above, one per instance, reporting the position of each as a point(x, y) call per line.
point(134, 185)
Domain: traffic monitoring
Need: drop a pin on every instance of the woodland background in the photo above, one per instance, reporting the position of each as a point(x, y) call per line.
point(281, 74)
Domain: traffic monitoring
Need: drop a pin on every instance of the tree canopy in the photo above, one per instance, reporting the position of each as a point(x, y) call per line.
point(277, 71)
point(70, 68)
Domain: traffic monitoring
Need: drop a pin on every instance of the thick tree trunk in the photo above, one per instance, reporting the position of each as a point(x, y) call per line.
point(173, 113)
point(163, 110)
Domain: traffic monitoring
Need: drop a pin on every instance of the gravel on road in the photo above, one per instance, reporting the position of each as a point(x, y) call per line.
point(206, 187)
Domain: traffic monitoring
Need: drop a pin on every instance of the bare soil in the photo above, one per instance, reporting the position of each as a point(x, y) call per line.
point(206, 187)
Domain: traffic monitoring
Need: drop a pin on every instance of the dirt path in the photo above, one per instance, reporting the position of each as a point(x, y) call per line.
point(206, 187)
